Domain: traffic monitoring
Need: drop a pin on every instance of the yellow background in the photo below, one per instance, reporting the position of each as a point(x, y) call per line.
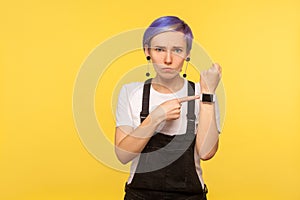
point(43, 44)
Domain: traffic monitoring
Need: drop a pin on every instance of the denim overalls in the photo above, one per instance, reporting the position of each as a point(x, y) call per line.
point(166, 167)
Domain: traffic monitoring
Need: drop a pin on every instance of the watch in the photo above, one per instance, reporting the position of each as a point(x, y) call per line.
point(208, 98)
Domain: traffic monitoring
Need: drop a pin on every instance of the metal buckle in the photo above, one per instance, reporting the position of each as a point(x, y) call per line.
point(205, 190)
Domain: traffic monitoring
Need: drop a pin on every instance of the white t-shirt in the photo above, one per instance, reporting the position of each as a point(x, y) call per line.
point(130, 106)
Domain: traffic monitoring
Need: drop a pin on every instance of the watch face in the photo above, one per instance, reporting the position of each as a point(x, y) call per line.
point(207, 97)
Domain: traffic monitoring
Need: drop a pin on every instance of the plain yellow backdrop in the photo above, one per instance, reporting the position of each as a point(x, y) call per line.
point(43, 44)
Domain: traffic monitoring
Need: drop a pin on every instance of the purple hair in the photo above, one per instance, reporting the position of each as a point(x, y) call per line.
point(168, 23)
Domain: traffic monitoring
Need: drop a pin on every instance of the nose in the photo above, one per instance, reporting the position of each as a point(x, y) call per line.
point(168, 58)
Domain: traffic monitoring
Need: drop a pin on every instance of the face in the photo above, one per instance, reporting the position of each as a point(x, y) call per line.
point(168, 52)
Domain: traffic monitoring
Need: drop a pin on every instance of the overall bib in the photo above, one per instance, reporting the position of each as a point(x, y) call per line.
point(166, 168)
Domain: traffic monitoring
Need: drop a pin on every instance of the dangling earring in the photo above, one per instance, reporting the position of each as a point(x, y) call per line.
point(187, 62)
point(148, 59)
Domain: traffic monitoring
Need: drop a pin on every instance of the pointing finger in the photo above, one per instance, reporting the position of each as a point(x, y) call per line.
point(188, 98)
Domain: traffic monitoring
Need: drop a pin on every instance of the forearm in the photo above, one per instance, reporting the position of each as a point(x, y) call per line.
point(129, 143)
point(135, 141)
point(207, 132)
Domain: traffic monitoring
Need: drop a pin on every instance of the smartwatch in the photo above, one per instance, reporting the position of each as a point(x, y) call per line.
point(207, 98)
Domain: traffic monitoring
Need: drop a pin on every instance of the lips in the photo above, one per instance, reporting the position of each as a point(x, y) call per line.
point(167, 69)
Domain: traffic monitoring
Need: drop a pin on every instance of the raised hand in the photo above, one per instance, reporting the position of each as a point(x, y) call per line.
point(210, 78)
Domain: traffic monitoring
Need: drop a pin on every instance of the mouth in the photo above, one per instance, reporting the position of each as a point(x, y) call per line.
point(167, 69)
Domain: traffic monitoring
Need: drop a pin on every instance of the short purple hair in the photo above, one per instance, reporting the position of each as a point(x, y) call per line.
point(168, 23)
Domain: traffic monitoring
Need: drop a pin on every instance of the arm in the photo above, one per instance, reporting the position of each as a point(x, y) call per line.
point(130, 142)
point(207, 133)
point(207, 139)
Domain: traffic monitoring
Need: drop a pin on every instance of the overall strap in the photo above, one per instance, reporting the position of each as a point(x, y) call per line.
point(145, 104)
point(191, 104)
point(190, 128)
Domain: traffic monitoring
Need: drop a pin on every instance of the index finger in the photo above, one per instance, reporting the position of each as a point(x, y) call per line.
point(188, 98)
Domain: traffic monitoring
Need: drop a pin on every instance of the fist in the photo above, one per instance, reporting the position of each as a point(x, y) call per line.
point(210, 78)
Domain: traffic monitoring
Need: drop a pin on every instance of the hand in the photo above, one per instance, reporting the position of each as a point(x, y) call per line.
point(209, 79)
point(170, 110)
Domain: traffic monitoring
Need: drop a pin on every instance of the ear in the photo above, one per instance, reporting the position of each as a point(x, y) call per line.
point(146, 50)
point(188, 55)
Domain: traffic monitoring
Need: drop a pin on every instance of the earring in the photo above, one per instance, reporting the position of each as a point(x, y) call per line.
point(148, 59)
point(187, 62)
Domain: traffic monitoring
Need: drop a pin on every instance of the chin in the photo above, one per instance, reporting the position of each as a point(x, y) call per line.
point(168, 76)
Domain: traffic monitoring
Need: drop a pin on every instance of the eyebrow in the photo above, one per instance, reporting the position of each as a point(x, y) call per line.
point(165, 47)
point(178, 47)
point(159, 46)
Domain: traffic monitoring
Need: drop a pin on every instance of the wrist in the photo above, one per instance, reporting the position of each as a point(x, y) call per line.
point(207, 91)
point(207, 98)
point(157, 116)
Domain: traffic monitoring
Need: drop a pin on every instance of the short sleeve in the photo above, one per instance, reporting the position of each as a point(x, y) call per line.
point(123, 112)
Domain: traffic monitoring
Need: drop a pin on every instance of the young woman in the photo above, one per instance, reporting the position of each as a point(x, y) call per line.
point(166, 125)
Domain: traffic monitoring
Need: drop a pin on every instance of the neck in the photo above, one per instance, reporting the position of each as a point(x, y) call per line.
point(167, 85)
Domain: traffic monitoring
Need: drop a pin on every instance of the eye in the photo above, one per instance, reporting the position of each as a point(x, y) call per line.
point(177, 50)
point(159, 49)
